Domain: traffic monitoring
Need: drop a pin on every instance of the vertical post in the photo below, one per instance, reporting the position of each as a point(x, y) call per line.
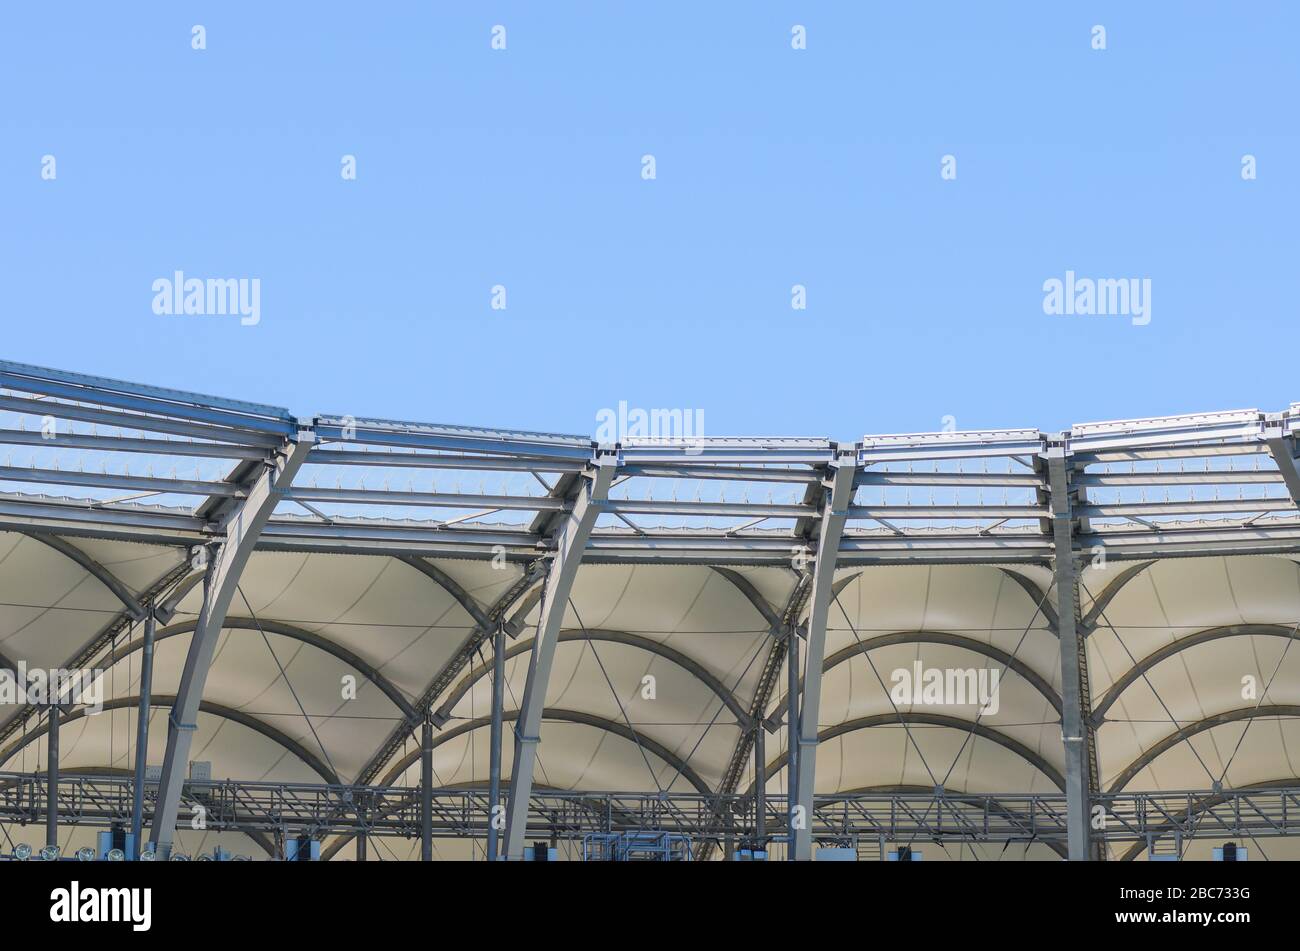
point(363, 841)
point(570, 543)
point(792, 735)
point(52, 771)
point(760, 786)
point(142, 733)
point(835, 512)
point(1073, 722)
point(426, 791)
point(494, 755)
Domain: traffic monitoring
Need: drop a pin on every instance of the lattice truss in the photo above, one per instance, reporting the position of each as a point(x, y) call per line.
point(701, 635)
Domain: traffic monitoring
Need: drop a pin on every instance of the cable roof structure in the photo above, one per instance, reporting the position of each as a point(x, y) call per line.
point(400, 639)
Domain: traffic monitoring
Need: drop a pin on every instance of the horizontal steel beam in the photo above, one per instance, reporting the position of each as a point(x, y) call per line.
point(95, 799)
point(523, 503)
point(158, 447)
point(422, 460)
point(136, 421)
point(153, 400)
point(106, 480)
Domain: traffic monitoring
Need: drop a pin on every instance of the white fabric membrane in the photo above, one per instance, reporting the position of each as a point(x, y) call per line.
point(400, 621)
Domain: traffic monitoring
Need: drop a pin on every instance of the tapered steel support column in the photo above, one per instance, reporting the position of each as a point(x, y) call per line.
point(494, 753)
point(835, 512)
point(760, 785)
point(242, 524)
point(570, 542)
point(142, 731)
point(1073, 719)
point(426, 791)
point(52, 771)
point(792, 735)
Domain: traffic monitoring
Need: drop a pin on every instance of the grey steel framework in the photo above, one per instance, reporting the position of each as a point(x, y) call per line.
point(265, 811)
point(1126, 491)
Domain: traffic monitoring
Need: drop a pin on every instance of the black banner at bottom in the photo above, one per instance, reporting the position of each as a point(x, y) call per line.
point(139, 901)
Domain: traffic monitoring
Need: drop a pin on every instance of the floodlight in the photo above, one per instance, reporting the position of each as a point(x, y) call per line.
point(86, 854)
point(148, 855)
point(22, 851)
point(116, 855)
point(50, 853)
point(179, 857)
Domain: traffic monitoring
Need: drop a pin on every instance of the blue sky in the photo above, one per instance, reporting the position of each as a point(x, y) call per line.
point(774, 167)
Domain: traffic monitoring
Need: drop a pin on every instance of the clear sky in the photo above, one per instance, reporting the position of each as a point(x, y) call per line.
point(774, 167)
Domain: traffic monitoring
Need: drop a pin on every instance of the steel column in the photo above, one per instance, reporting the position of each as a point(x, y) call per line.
point(243, 524)
point(52, 771)
point(494, 755)
point(569, 545)
point(760, 786)
point(791, 733)
point(142, 731)
point(426, 791)
point(1073, 719)
point(835, 513)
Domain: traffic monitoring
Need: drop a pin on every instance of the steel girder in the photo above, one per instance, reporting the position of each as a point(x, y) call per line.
point(497, 723)
point(839, 498)
point(52, 773)
point(242, 525)
point(99, 798)
point(1075, 728)
point(570, 544)
point(1190, 823)
point(1136, 526)
point(711, 547)
point(142, 727)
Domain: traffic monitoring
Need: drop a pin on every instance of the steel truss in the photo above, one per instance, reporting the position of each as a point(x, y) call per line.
point(909, 816)
point(1132, 490)
point(1157, 487)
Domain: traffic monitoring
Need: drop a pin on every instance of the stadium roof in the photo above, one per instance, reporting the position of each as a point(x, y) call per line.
point(390, 554)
